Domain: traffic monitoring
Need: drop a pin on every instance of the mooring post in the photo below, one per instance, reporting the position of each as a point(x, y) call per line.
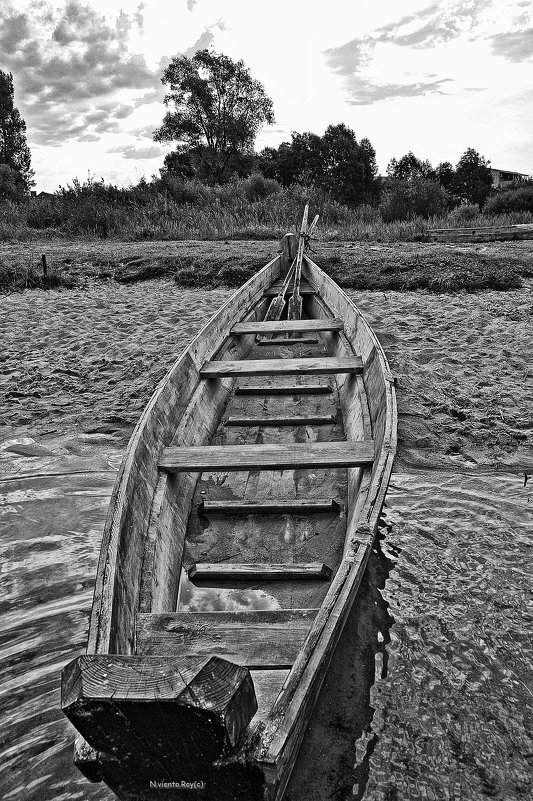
point(288, 246)
point(45, 268)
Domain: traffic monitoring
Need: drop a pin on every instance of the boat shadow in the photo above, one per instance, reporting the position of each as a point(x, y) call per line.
point(328, 766)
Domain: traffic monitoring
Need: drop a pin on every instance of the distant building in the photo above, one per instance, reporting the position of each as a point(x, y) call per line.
point(504, 179)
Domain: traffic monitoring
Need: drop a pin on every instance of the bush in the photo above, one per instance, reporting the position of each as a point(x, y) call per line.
point(463, 214)
point(45, 213)
point(257, 187)
point(512, 200)
point(405, 200)
point(184, 192)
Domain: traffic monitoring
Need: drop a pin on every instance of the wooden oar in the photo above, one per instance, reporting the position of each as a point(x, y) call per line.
point(295, 302)
point(275, 310)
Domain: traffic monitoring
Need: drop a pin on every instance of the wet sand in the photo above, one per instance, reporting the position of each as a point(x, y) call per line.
point(428, 694)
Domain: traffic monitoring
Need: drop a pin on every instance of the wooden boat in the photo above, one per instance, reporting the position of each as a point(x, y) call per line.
point(239, 529)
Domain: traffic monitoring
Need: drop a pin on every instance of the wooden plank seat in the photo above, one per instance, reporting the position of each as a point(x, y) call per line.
point(287, 341)
point(313, 366)
point(226, 571)
point(290, 456)
point(291, 507)
point(296, 420)
point(296, 389)
point(252, 639)
point(288, 326)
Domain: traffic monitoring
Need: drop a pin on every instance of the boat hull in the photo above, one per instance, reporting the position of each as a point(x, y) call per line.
point(267, 659)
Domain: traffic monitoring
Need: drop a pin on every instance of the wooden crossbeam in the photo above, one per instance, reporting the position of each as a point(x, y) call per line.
point(313, 366)
point(292, 507)
point(289, 326)
point(301, 420)
point(218, 571)
point(288, 341)
point(297, 389)
point(291, 456)
point(255, 639)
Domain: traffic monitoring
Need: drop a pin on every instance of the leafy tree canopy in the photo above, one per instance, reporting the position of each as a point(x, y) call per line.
point(335, 162)
point(217, 110)
point(14, 151)
point(408, 167)
point(473, 178)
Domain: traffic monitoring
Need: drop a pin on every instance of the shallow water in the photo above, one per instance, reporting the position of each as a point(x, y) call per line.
point(430, 691)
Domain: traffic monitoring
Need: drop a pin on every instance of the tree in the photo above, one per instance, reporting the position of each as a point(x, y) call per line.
point(445, 175)
point(343, 171)
point(409, 167)
point(218, 109)
point(14, 151)
point(335, 162)
point(473, 178)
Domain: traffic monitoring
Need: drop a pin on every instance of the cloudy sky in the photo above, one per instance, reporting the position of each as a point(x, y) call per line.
point(432, 77)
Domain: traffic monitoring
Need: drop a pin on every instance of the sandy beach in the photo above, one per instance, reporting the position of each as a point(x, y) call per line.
point(428, 693)
point(84, 362)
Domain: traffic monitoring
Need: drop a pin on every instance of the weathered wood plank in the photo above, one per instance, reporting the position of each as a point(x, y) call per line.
point(288, 326)
point(286, 341)
point(258, 571)
point(267, 457)
point(262, 640)
point(156, 713)
point(293, 507)
point(297, 389)
point(251, 367)
point(301, 420)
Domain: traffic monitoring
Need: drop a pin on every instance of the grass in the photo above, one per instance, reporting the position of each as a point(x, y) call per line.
point(246, 209)
point(402, 266)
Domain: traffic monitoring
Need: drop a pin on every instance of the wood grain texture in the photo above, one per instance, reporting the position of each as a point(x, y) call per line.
point(119, 702)
point(263, 367)
point(295, 389)
point(286, 341)
point(295, 507)
point(302, 420)
point(288, 326)
point(205, 571)
point(267, 457)
point(256, 640)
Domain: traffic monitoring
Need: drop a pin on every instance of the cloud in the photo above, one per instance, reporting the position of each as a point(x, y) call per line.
point(67, 66)
point(205, 39)
point(363, 92)
point(191, 4)
point(151, 151)
point(436, 24)
point(515, 46)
